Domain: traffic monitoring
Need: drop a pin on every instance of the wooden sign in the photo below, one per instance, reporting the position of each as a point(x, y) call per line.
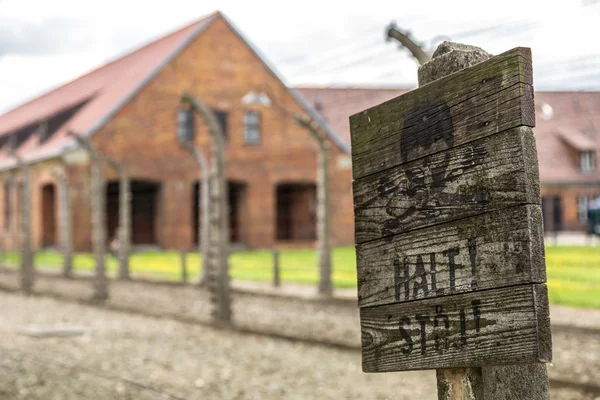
point(448, 223)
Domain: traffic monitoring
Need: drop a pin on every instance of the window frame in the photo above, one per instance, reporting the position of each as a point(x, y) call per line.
point(223, 124)
point(186, 129)
point(587, 161)
point(248, 141)
point(582, 208)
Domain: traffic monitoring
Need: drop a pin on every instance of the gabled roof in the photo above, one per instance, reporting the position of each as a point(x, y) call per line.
point(575, 115)
point(577, 139)
point(99, 94)
point(559, 115)
point(105, 89)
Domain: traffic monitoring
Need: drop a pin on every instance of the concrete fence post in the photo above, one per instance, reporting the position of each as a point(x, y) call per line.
point(124, 229)
point(276, 279)
point(97, 194)
point(66, 236)
point(217, 263)
point(203, 208)
point(183, 261)
point(325, 287)
point(428, 198)
point(488, 382)
point(27, 256)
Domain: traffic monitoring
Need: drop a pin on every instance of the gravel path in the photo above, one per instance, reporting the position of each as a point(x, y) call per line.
point(576, 353)
point(183, 360)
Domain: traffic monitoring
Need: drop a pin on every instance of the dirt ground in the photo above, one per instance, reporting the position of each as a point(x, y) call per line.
point(127, 356)
point(136, 357)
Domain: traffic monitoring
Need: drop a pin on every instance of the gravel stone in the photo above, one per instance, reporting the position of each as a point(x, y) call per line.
point(163, 342)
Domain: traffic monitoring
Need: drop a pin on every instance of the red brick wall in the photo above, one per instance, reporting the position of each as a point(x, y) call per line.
point(220, 69)
point(569, 197)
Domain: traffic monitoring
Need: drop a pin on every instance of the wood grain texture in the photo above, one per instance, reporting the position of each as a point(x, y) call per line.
point(509, 382)
point(476, 102)
point(493, 327)
point(488, 174)
point(491, 250)
point(460, 384)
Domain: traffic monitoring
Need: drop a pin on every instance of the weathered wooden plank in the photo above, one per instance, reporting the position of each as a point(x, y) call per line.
point(489, 174)
point(490, 97)
point(506, 382)
point(494, 327)
point(491, 250)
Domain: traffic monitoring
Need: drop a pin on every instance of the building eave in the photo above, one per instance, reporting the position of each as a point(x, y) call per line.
point(314, 114)
point(151, 75)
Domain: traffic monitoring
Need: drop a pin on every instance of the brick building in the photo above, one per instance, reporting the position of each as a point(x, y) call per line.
point(128, 108)
point(567, 133)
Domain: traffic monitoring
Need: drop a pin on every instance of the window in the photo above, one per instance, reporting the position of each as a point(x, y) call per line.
point(185, 125)
point(582, 203)
point(588, 161)
point(7, 210)
point(251, 127)
point(43, 132)
point(222, 119)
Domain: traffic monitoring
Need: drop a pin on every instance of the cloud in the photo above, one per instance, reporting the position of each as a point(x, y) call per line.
point(50, 36)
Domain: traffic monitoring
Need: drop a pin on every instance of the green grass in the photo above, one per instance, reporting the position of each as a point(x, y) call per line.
point(297, 266)
point(574, 275)
point(573, 271)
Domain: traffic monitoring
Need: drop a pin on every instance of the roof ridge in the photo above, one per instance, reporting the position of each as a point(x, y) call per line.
point(149, 43)
point(114, 61)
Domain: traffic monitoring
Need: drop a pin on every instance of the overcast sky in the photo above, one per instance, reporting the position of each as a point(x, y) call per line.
point(314, 42)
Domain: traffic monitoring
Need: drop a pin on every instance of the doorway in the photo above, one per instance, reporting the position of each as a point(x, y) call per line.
point(144, 204)
point(48, 215)
point(296, 211)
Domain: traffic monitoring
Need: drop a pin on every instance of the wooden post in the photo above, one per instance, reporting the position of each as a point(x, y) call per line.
point(97, 194)
point(450, 253)
point(217, 264)
point(124, 230)
point(183, 258)
point(499, 382)
point(457, 383)
point(203, 207)
point(64, 204)
point(276, 268)
point(323, 228)
point(460, 384)
point(27, 268)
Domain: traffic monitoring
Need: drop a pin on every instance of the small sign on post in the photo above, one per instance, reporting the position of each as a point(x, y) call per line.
point(448, 223)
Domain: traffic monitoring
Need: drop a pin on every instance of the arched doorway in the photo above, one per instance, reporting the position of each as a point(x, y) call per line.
point(144, 206)
point(296, 211)
point(48, 215)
